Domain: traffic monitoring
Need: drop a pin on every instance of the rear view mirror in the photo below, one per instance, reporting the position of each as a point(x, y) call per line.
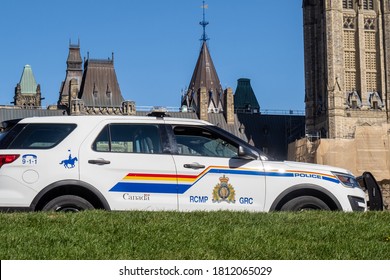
point(247, 153)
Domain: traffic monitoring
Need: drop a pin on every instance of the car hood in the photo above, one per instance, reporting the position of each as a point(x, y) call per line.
point(313, 166)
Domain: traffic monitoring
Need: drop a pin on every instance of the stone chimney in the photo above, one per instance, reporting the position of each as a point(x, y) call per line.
point(73, 90)
point(203, 104)
point(128, 108)
point(228, 105)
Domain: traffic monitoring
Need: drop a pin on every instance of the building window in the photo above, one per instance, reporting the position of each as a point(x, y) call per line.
point(368, 4)
point(347, 4)
point(353, 100)
point(375, 101)
point(349, 22)
point(369, 23)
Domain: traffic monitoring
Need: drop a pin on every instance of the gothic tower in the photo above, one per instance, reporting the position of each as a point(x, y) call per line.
point(70, 87)
point(27, 91)
point(347, 65)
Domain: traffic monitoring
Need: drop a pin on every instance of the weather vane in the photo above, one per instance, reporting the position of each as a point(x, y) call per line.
point(204, 23)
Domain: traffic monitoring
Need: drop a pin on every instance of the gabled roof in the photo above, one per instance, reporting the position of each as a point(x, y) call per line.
point(28, 85)
point(99, 87)
point(204, 75)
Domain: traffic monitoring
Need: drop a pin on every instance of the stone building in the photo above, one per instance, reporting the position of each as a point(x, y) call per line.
point(70, 87)
point(93, 90)
point(347, 61)
point(27, 91)
point(347, 74)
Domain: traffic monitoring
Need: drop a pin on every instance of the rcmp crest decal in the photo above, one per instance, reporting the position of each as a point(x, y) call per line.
point(224, 191)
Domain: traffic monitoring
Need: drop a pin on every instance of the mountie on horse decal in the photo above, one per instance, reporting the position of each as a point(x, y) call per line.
point(70, 162)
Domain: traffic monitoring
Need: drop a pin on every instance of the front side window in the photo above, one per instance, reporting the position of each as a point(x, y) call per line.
point(129, 138)
point(38, 135)
point(198, 141)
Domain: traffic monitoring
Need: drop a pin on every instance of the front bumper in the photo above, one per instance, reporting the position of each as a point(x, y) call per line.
point(357, 203)
point(371, 187)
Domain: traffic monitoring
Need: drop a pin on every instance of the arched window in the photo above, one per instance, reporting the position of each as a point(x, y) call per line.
point(347, 4)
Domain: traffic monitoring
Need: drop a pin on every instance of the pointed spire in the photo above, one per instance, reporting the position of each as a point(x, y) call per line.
point(204, 76)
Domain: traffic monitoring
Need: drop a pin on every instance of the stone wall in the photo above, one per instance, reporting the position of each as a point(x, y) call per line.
point(385, 187)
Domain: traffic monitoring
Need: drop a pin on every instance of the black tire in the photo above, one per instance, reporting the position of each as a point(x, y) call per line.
point(303, 203)
point(68, 203)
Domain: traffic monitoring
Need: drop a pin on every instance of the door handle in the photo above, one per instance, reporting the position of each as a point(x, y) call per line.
point(99, 161)
point(194, 165)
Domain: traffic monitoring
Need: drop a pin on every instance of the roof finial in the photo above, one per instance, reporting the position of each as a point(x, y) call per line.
point(204, 23)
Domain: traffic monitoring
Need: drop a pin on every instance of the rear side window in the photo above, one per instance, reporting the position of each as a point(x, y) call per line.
point(129, 138)
point(36, 135)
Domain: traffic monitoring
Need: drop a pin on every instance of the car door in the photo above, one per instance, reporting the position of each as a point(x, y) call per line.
point(211, 175)
point(126, 162)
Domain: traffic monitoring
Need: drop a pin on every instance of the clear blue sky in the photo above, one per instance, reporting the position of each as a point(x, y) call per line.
point(156, 45)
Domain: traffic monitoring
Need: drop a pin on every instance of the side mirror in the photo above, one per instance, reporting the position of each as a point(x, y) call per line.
point(247, 153)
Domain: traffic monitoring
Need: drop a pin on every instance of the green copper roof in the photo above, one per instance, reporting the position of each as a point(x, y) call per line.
point(28, 85)
point(244, 97)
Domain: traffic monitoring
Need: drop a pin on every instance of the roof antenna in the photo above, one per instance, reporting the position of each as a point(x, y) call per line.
point(204, 23)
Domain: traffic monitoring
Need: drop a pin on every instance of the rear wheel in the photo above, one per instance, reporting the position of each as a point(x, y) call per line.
point(68, 203)
point(303, 203)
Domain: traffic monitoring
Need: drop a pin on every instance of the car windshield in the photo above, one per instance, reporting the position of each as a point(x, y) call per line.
point(241, 142)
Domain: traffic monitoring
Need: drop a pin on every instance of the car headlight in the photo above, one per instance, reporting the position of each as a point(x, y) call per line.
point(347, 180)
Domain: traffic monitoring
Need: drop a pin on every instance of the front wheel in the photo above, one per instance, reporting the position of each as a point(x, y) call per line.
point(303, 203)
point(68, 203)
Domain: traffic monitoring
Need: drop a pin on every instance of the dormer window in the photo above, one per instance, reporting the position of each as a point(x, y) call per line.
point(353, 100)
point(108, 92)
point(375, 101)
point(95, 91)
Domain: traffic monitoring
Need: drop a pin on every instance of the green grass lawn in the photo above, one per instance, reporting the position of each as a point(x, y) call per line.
point(197, 235)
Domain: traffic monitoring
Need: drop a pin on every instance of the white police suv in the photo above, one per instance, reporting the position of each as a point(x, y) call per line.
point(73, 163)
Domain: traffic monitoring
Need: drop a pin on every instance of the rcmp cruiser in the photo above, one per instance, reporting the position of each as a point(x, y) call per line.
point(156, 163)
